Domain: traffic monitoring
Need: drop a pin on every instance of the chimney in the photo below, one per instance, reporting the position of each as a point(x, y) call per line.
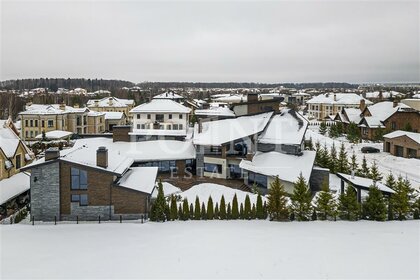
point(395, 103)
point(200, 125)
point(52, 153)
point(96, 103)
point(102, 157)
point(362, 104)
point(110, 101)
point(62, 106)
point(335, 97)
point(249, 156)
point(76, 106)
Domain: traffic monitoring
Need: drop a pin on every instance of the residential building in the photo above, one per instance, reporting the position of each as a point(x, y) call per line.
point(88, 183)
point(378, 96)
point(253, 105)
point(322, 106)
point(402, 144)
point(112, 104)
point(40, 118)
point(348, 115)
point(160, 119)
point(412, 102)
point(214, 111)
point(169, 95)
point(114, 118)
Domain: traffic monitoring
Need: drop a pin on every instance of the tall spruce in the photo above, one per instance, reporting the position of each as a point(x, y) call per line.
point(159, 205)
point(203, 211)
point(325, 157)
point(222, 211)
point(333, 163)
point(260, 209)
point(353, 163)
point(174, 208)
point(277, 209)
point(197, 210)
point(353, 133)
point(374, 207)
point(180, 212)
point(323, 128)
point(210, 209)
point(253, 212)
point(216, 211)
point(247, 208)
point(348, 207)
point(235, 208)
point(318, 153)
point(185, 210)
point(241, 212)
point(301, 199)
point(364, 169)
point(343, 162)
point(191, 212)
point(326, 205)
point(401, 199)
point(390, 181)
point(229, 212)
point(374, 173)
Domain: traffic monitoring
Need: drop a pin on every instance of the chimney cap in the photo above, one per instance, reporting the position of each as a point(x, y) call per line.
point(102, 149)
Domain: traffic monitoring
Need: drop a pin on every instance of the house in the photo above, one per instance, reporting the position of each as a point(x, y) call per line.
point(215, 111)
point(298, 98)
point(324, 105)
point(222, 144)
point(40, 118)
point(14, 154)
point(88, 183)
point(377, 96)
point(160, 119)
point(114, 118)
point(348, 115)
point(374, 118)
point(229, 98)
point(402, 144)
point(112, 104)
point(253, 105)
point(169, 95)
point(403, 119)
point(412, 102)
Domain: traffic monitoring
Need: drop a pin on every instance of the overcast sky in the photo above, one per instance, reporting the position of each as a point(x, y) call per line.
point(270, 41)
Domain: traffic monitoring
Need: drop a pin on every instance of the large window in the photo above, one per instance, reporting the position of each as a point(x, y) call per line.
point(159, 117)
point(260, 180)
point(78, 179)
point(81, 198)
point(163, 166)
point(18, 162)
point(50, 123)
point(213, 168)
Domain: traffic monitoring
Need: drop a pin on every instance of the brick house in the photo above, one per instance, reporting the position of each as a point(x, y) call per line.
point(254, 105)
point(82, 183)
point(401, 118)
point(402, 144)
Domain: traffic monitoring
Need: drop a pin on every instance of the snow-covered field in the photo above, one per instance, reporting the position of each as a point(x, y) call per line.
point(387, 163)
point(212, 249)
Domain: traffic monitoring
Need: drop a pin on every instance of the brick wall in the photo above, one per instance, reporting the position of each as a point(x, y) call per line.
point(401, 118)
point(127, 201)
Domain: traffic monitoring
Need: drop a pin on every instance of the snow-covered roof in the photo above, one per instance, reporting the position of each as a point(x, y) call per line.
point(140, 179)
point(364, 182)
point(110, 102)
point(383, 110)
point(9, 141)
point(341, 99)
point(51, 109)
point(417, 95)
point(288, 127)
point(373, 122)
point(216, 133)
point(413, 135)
point(55, 134)
point(14, 186)
point(286, 167)
point(215, 111)
point(168, 190)
point(168, 95)
point(114, 115)
point(353, 114)
point(161, 106)
point(230, 98)
point(385, 94)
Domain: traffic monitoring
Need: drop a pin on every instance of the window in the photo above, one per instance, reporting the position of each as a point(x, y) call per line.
point(36, 123)
point(43, 123)
point(138, 126)
point(50, 123)
point(81, 198)
point(180, 116)
point(180, 127)
point(78, 179)
point(26, 123)
point(175, 126)
point(148, 116)
point(18, 162)
point(393, 126)
point(258, 179)
point(170, 116)
point(161, 126)
point(143, 126)
point(26, 134)
point(138, 116)
point(159, 118)
point(32, 123)
point(168, 127)
point(213, 168)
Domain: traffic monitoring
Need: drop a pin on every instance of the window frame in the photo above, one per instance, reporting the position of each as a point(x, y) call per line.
point(77, 182)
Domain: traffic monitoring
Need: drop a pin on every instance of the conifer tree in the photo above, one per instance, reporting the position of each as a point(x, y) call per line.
point(277, 202)
point(301, 199)
point(235, 209)
point(265, 210)
point(197, 210)
point(203, 211)
point(159, 206)
point(401, 198)
point(353, 164)
point(374, 207)
point(222, 210)
point(326, 206)
point(185, 210)
point(333, 163)
point(216, 211)
point(374, 173)
point(343, 162)
point(241, 212)
point(253, 212)
point(318, 153)
point(314, 217)
point(324, 157)
point(167, 211)
point(174, 210)
point(353, 133)
point(348, 207)
point(180, 213)
point(333, 131)
point(191, 212)
point(210, 209)
point(390, 181)
point(260, 209)
point(323, 128)
point(247, 208)
point(229, 212)
point(364, 171)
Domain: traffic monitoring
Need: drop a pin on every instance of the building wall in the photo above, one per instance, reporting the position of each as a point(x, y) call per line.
point(400, 119)
point(216, 160)
point(142, 119)
point(320, 111)
point(128, 201)
point(96, 124)
point(45, 192)
point(40, 123)
point(20, 150)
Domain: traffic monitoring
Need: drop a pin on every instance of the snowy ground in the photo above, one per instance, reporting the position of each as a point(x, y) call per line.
point(386, 162)
point(212, 249)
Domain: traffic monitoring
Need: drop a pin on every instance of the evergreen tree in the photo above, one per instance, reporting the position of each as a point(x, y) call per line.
point(191, 212)
point(364, 171)
point(247, 208)
point(340, 128)
point(229, 212)
point(253, 212)
point(260, 209)
point(343, 162)
point(167, 211)
point(324, 157)
point(222, 211)
point(348, 207)
point(374, 173)
point(197, 210)
point(277, 202)
point(333, 131)
point(326, 206)
point(401, 198)
point(323, 128)
point(235, 210)
point(210, 209)
point(203, 211)
point(314, 216)
point(353, 133)
point(374, 207)
point(333, 163)
point(416, 209)
point(174, 210)
point(301, 199)
point(216, 211)
point(159, 206)
point(318, 153)
point(353, 165)
point(241, 212)
point(180, 213)
point(185, 210)
point(265, 210)
point(390, 181)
